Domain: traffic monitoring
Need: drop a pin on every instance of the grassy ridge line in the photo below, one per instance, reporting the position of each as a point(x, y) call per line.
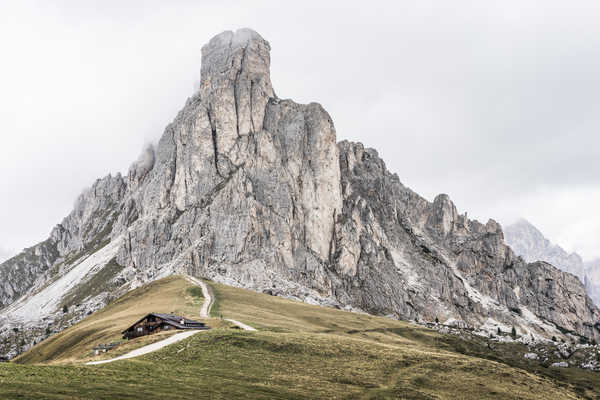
point(75, 344)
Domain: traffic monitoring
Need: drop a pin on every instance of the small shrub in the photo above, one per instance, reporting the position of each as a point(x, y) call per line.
point(65, 309)
point(437, 320)
point(554, 338)
point(195, 291)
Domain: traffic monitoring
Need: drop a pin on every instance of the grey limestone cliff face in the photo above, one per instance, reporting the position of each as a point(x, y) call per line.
point(19, 273)
point(37, 282)
point(399, 254)
point(252, 190)
point(245, 186)
point(86, 228)
point(528, 242)
point(592, 279)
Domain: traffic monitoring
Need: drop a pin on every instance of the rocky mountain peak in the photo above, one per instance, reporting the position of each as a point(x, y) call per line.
point(254, 191)
point(444, 215)
point(533, 234)
point(531, 244)
point(235, 81)
point(230, 53)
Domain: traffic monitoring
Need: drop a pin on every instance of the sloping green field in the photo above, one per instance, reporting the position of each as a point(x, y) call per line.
point(173, 294)
point(299, 352)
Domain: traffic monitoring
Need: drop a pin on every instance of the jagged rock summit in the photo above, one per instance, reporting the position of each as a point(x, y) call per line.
point(253, 191)
point(528, 242)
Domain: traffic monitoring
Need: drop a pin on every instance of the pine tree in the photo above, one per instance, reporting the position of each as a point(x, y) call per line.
point(513, 332)
point(499, 331)
point(65, 309)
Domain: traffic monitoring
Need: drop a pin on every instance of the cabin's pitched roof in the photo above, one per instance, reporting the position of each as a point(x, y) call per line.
point(173, 320)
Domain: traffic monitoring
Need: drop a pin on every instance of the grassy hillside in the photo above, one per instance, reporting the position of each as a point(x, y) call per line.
point(280, 315)
point(76, 344)
point(276, 314)
point(231, 364)
point(299, 352)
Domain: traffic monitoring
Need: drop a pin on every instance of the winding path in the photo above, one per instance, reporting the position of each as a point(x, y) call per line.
point(240, 324)
point(148, 349)
point(204, 313)
point(208, 302)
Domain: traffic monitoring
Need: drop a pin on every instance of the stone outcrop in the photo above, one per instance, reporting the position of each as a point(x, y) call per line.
point(528, 242)
point(416, 259)
point(86, 228)
point(592, 279)
point(19, 273)
point(252, 190)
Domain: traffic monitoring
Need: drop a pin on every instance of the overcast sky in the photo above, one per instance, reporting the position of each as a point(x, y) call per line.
point(495, 103)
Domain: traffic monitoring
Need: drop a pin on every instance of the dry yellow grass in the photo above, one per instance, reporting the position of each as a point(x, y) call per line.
point(76, 343)
point(300, 352)
point(282, 315)
point(444, 365)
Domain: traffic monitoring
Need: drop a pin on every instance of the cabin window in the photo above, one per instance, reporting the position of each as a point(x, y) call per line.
point(151, 319)
point(140, 329)
point(166, 327)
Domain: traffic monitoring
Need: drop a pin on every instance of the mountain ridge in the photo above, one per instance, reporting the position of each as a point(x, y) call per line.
point(530, 243)
point(254, 191)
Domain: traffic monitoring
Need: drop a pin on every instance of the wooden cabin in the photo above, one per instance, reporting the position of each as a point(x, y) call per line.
point(154, 322)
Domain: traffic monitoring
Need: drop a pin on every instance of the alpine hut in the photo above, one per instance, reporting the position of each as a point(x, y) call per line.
point(154, 322)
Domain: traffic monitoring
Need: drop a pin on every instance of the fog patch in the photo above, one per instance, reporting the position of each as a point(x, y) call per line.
point(5, 254)
point(144, 163)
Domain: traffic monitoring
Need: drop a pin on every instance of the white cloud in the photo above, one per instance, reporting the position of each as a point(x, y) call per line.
point(5, 254)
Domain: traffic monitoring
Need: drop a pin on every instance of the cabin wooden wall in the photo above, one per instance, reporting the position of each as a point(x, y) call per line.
point(148, 328)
